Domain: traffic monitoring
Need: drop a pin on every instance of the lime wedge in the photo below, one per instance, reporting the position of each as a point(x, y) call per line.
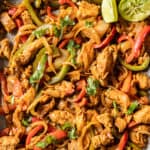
point(134, 10)
point(109, 11)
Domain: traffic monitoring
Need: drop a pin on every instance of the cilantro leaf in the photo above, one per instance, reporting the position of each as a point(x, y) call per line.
point(88, 24)
point(72, 133)
point(70, 129)
point(66, 21)
point(47, 141)
point(67, 125)
point(56, 31)
point(42, 30)
point(92, 86)
point(40, 33)
point(71, 47)
point(25, 122)
point(41, 144)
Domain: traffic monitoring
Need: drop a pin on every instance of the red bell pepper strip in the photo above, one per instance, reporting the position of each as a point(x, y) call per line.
point(59, 134)
point(83, 102)
point(123, 141)
point(80, 86)
point(51, 128)
point(126, 37)
point(69, 2)
point(132, 124)
point(80, 96)
point(140, 39)
point(19, 23)
point(63, 43)
point(138, 43)
point(32, 133)
point(78, 40)
point(35, 119)
point(107, 40)
point(49, 13)
point(24, 38)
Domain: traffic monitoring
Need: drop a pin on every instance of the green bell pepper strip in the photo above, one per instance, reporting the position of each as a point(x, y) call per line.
point(32, 12)
point(39, 72)
point(40, 31)
point(141, 67)
point(60, 76)
point(64, 70)
point(37, 58)
point(132, 107)
point(32, 106)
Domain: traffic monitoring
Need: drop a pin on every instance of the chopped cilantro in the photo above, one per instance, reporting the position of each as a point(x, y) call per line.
point(88, 24)
point(92, 86)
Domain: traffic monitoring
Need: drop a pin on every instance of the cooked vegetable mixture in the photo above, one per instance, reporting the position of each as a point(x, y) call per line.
point(76, 77)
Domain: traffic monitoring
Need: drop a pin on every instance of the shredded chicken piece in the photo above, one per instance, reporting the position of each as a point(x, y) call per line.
point(91, 34)
point(60, 90)
point(25, 77)
point(74, 75)
point(142, 115)
point(10, 82)
point(72, 145)
point(26, 18)
point(61, 117)
point(80, 119)
point(106, 120)
point(120, 123)
point(44, 109)
point(17, 115)
point(142, 80)
point(104, 64)
point(94, 100)
point(86, 55)
point(30, 51)
point(119, 97)
point(104, 138)
point(7, 22)
point(67, 12)
point(87, 10)
point(5, 48)
point(8, 142)
point(96, 113)
point(139, 135)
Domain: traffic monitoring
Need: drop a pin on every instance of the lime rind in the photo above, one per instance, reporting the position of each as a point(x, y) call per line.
point(109, 11)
